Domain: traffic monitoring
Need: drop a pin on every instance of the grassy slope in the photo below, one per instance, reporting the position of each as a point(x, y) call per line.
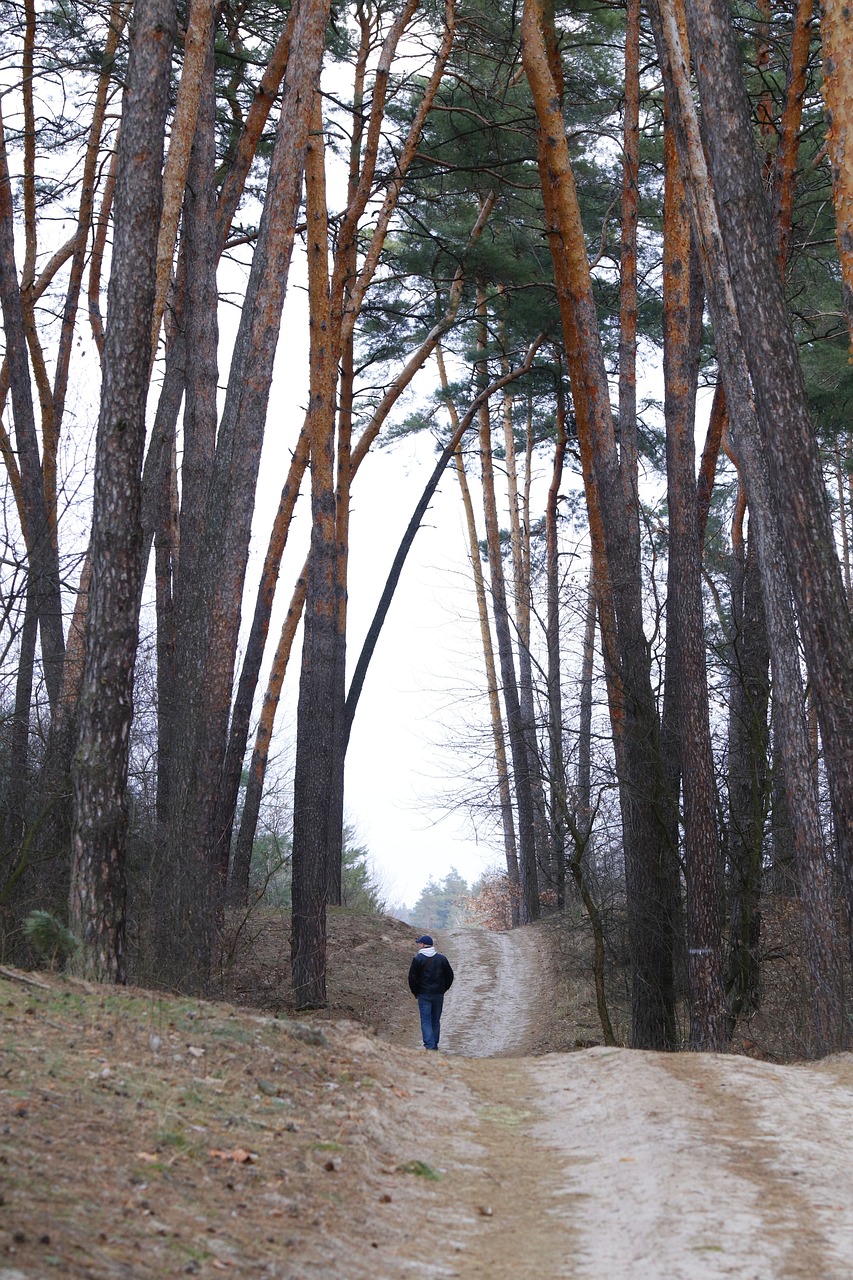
point(143, 1134)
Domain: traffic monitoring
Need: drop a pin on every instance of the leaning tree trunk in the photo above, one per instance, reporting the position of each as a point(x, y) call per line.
point(207, 642)
point(519, 544)
point(529, 905)
point(43, 561)
point(752, 453)
point(239, 883)
point(836, 30)
point(681, 336)
point(747, 777)
point(241, 714)
point(97, 907)
point(789, 444)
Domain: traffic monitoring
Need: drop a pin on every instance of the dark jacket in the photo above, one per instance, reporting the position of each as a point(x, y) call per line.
point(430, 975)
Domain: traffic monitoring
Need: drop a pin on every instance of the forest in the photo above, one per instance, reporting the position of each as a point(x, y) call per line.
point(601, 257)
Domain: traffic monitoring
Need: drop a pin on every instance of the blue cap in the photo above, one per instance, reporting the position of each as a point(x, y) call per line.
point(425, 939)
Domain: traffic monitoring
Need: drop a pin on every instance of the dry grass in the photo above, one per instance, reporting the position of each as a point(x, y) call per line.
point(148, 1135)
point(368, 958)
point(144, 1134)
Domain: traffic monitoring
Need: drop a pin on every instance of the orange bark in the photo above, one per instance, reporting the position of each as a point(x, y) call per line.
point(837, 36)
point(198, 36)
point(96, 261)
point(628, 271)
point(785, 173)
point(256, 118)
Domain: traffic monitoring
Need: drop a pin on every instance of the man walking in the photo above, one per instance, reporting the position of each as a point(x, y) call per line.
point(430, 975)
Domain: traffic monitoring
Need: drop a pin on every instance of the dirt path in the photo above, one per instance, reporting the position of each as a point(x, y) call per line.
point(617, 1164)
point(489, 1010)
point(144, 1137)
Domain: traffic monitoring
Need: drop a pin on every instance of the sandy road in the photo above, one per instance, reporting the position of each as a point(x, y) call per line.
point(490, 1008)
point(624, 1165)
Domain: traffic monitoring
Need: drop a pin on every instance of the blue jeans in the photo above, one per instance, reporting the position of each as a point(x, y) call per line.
point(430, 1008)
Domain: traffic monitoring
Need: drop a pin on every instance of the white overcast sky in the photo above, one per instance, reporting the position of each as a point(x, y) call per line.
point(404, 753)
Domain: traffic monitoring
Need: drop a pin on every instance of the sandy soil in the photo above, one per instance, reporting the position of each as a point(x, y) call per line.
point(144, 1137)
point(490, 1011)
point(612, 1163)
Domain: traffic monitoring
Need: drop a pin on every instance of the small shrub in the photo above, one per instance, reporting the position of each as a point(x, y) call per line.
point(51, 938)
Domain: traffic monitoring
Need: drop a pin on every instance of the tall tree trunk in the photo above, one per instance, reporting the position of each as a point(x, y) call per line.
point(197, 328)
point(836, 32)
point(164, 559)
point(361, 170)
point(209, 640)
point(628, 272)
point(37, 526)
point(195, 83)
point(242, 863)
point(324, 687)
point(529, 906)
point(556, 760)
point(789, 444)
point(753, 456)
point(681, 336)
point(192, 326)
point(97, 906)
point(583, 810)
point(252, 659)
point(519, 536)
point(117, 19)
point(642, 777)
point(498, 736)
point(200, 332)
point(748, 748)
point(316, 710)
